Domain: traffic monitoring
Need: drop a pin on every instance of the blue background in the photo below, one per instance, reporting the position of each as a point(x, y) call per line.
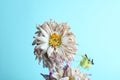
point(96, 24)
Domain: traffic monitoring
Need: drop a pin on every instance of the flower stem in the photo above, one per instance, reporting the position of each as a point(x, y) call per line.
point(50, 75)
point(65, 69)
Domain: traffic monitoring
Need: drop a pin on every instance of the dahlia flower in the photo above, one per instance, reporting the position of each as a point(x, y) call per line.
point(55, 44)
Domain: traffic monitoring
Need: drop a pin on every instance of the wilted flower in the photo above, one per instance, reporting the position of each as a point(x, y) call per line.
point(54, 44)
point(70, 74)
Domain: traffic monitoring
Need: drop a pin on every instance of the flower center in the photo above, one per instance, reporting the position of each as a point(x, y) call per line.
point(71, 78)
point(55, 40)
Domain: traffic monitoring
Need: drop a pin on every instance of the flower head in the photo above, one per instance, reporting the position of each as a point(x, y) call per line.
point(55, 43)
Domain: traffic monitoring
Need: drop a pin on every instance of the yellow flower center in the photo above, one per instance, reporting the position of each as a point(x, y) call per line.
point(71, 78)
point(55, 40)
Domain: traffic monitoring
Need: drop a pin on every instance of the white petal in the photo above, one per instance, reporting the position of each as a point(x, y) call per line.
point(59, 50)
point(65, 78)
point(65, 40)
point(56, 75)
point(50, 50)
point(43, 39)
point(65, 29)
point(47, 28)
point(44, 32)
point(43, 46)
point(53, 25)
point(60, 29)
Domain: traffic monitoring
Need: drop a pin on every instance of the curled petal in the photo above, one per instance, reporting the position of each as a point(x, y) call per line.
point(44, 33)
